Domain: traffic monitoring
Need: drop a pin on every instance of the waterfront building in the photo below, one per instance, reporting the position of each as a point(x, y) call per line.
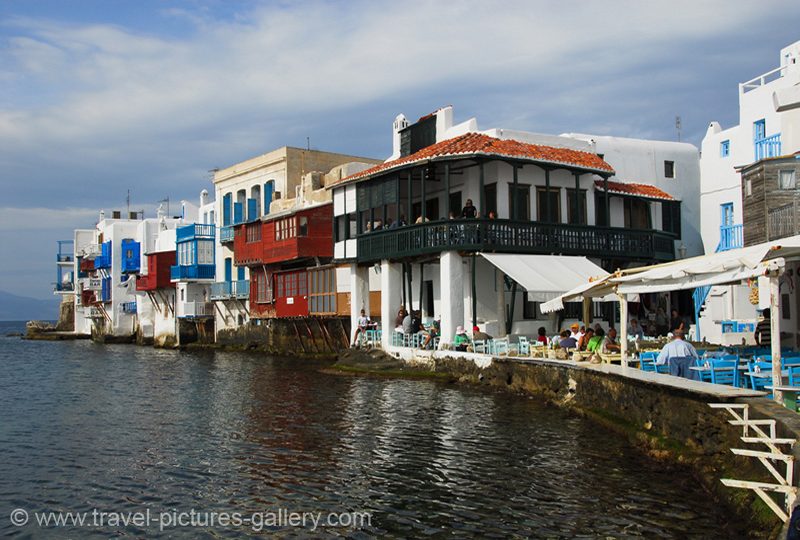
point(275, 242)
point(768, 127)
point(532, 193)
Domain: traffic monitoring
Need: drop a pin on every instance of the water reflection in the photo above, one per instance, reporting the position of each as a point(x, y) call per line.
point(122, 428)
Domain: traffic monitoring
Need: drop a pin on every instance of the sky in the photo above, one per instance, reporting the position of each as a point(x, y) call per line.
point(104, 96)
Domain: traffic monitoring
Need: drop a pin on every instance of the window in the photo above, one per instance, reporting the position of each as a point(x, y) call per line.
point(759, 129)
point(285, 228)
point(725, 148)
point(580, 218)
point(726, 214)
point(669, 169)
point(748, 187)
point(302, 226)
point(671, 217)
point(600, 218)
point(262, 282)
point(786, 179)
point(322, 294)
point(519, 203)
point(549, 207)
point(489, 200)
point(253, 231)
point(205, 252)
point(529, 307)
point(455, 204)
point(637, 214)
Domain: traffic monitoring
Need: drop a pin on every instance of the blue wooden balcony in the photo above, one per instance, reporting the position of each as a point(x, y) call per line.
point(105, 290)
point(226, 234)
point(509, 236)
point(768, 147)
point(195, 231)
point(730, 237)
point(192, 272)
point(104, 259)
point(128, 307)
point(131, 256)
point(65, 251)
point(227, 290)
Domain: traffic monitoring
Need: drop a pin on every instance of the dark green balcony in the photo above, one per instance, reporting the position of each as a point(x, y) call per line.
point(524, 237)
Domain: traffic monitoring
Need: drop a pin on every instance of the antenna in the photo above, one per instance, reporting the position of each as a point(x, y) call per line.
point(128, 202)
point(165, 201)
point(678, 127)
point(308, 143)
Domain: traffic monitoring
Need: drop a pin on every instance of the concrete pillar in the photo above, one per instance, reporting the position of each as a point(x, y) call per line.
point(359, 295)
point(775, 334)
point(500, 307)
point(391, 286)
point(451, 280)
point(467, 294)
point(623, 329)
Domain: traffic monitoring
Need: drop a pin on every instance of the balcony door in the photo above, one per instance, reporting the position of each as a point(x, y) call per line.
point(637, 214)
point(548, 206)
point(228, 269)
point(489, 200)
point(726, 214)
point(519, 202)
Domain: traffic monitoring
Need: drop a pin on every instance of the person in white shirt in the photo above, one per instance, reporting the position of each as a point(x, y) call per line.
point(364, 324)
point(680, 355)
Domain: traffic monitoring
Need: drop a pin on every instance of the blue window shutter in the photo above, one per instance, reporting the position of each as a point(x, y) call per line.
point(226, 210)
point(240, 273)
point(228, 269)
point(268, 188)
point(252, 214)
point(238, 210)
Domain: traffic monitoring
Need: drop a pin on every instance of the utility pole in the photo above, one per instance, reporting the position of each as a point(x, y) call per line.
point(678, 127)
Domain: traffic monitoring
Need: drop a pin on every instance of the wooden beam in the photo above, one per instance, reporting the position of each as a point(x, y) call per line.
point(481, 197)
point(447, 188)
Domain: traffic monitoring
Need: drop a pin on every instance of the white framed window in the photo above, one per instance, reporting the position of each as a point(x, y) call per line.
point(786, 179)
point(748, 187)
point(205, 252)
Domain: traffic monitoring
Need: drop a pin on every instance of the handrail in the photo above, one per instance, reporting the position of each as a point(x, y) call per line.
point(762, 79)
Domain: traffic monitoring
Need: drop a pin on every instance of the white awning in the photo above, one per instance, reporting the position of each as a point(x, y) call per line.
point(546, 276)
point(715, 269)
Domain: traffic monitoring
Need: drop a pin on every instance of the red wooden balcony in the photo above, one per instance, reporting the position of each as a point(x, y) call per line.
point(303, 234)
point(158, 272)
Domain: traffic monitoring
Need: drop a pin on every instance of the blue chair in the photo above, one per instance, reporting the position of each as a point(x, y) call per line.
point(794, 375)
point(479, 346)
point(523, 347)
point(790, 359)
point(725, 370)
point(647, 361)
point(704, 376)
point(758, 383)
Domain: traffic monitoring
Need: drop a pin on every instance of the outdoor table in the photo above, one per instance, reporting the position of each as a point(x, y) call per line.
point(789, 395)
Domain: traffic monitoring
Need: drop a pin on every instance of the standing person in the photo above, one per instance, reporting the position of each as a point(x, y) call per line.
point(469, 211)
point(763, 333)
point(364, 324)
point(680, 355)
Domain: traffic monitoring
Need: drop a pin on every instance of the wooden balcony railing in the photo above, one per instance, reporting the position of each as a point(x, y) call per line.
point(507, 236)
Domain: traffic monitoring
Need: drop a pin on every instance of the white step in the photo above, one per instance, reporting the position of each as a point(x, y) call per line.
point(728, 405)
point(759, 454)
point(758, 485)
point(752, 422)
point(767, 441)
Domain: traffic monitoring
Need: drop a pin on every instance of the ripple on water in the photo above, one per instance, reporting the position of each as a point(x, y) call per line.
point(122, 428)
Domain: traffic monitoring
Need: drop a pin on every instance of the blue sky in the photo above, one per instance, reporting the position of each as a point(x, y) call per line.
point(99, 97)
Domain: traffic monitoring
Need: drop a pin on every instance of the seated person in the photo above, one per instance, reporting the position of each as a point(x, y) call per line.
point(401, 315)
point(679, 355)
point(610, 344)
point(478, 335)
point(567, 341)
point(461, 339)
point(583, 342)
point(433, 331)
point(635, 331)
point(542, 338)
point(364, 324)
point(593, 345)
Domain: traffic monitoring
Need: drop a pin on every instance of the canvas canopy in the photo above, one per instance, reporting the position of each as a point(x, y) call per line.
point(546, 276)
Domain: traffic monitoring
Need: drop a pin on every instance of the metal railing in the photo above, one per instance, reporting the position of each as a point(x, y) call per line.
point(507, 236)
point(224, 290)
point(196, 309)
point(226, 234)
point(767, 147)
point(91, 251)
point(194, 271)
point(196, 230)
point(730, 237)
point(762, 79)
point(128, 307)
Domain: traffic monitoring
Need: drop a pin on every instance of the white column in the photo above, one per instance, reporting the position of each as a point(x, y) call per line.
point(501, 302)
point(467, 293)
point(623, 329)
point(359, 295)
point(451, 281)
point(391, 284)
point(775, 334)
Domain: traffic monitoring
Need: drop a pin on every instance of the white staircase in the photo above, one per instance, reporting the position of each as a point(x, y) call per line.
point(779, 464)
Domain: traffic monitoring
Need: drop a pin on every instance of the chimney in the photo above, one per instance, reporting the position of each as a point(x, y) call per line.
point(204, 197)
point(400, 123)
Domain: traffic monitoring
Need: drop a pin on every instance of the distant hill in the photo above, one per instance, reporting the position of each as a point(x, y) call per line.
point(23, 308)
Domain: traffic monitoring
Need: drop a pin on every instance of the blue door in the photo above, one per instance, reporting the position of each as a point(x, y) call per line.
point(252, 210)
point(759, 129)
point(228, 269)
point(238, 210)
point(726, 214)
point(268, 188)
point(240, 273)
point(226, 210)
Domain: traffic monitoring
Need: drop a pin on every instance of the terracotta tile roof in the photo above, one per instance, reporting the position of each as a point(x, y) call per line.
point(647, 191)
point(478, 144)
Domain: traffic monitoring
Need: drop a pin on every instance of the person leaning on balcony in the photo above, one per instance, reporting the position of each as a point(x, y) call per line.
point(469, 211)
